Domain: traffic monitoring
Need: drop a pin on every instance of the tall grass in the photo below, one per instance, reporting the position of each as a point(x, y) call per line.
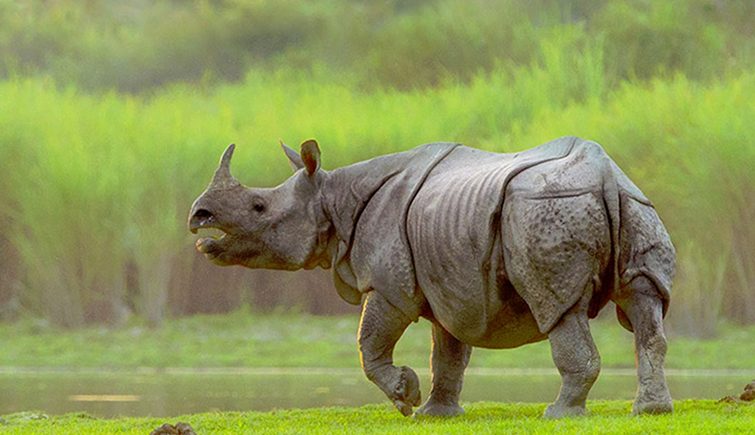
point(96, 189)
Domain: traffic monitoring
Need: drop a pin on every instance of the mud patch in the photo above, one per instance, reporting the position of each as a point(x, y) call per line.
point(178, 429)
point(748, 395)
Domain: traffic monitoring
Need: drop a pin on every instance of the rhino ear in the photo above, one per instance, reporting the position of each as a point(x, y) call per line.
point(293, 157)
point(310, 155)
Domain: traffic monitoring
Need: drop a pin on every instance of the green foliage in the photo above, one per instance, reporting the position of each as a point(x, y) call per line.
point(607, 417)
point(648, 38)
point(102, 44)
point(451, 39)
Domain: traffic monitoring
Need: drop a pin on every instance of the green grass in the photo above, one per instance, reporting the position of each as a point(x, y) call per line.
point(242, 339)
point(606, 417)
point(101, 184)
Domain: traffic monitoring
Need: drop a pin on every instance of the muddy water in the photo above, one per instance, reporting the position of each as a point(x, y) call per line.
point(176, 392)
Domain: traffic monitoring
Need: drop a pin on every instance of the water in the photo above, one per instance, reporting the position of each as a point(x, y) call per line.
point(175, 392)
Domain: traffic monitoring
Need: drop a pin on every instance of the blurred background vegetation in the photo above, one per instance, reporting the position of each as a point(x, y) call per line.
point(113, 115)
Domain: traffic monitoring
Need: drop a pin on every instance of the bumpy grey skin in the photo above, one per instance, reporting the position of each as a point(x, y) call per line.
point(496, 250)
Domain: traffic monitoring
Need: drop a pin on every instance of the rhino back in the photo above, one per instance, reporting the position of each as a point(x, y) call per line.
point(481, 215)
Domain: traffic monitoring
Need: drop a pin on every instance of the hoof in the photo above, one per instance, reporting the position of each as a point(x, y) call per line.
point(558, 411)
point(435, 409)
point(406, 394)
point(663, 407)
point(404, 408)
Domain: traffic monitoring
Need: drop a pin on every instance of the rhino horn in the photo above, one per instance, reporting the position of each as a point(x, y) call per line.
point(223, 177)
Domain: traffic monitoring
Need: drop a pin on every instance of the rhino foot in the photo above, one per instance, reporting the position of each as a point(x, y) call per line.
point(431, 408)
point(652, 407)
point(653, 396)
point(406, 394)
point(559, 411)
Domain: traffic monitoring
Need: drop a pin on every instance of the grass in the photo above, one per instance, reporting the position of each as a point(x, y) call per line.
point(100, 185)
point(242, 339)
point(606, 417)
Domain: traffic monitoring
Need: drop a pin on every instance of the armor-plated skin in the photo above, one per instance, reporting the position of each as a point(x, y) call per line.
point(496, 250)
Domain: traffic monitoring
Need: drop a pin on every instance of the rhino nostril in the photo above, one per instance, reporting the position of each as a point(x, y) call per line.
point(202, 215)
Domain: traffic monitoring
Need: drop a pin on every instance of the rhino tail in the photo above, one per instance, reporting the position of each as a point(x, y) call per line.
point(640, 244)
point(611, 279)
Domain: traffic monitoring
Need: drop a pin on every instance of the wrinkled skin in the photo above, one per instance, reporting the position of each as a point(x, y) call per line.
point(496, 250)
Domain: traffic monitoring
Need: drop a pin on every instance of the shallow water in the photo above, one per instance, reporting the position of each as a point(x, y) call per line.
point(177, 392)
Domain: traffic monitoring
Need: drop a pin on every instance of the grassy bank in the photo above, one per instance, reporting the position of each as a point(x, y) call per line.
point(609, 417)
point(298, 340)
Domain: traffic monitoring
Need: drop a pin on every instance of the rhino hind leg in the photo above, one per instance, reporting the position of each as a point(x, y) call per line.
point(577, 360)
point(449, 359)
point(380, 327)
point(644, 308)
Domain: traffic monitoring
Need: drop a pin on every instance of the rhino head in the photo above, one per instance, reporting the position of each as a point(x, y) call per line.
point(273, 228)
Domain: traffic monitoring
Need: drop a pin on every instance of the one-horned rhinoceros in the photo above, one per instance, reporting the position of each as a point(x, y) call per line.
point(496, 250)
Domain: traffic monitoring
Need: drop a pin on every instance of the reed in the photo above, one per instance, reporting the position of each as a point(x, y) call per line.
point(96, 188)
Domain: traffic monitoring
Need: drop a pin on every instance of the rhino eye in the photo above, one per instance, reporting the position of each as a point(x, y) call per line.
point(259, 207)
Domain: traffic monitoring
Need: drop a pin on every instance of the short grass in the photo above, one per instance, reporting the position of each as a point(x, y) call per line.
point(606, 417)
point(244, 339)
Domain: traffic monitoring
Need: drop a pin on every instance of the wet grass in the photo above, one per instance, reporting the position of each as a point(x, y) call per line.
point(605, 417)
point(244, 339)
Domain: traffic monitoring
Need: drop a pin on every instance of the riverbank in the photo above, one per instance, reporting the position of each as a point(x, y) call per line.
point(605, 417)
point(243, 340)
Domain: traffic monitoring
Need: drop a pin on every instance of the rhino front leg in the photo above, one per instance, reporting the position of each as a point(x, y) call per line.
point(645, 311)
point(449, 359)
point(380, 328)
point(577, 360)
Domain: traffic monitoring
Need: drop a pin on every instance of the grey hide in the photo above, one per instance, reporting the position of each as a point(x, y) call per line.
point(496, 250)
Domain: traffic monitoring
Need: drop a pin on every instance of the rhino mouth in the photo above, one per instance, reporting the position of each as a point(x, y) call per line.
point(211, 244)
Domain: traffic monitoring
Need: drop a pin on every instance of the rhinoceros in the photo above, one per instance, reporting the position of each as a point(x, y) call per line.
point(495, 250)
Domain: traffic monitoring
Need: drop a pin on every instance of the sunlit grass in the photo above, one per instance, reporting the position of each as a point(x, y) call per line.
point(606, 417)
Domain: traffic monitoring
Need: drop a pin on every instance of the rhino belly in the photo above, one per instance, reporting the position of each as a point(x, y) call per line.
point(458, 261)
point(503, 323)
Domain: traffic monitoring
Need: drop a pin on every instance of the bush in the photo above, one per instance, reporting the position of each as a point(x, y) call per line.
point(103, 45)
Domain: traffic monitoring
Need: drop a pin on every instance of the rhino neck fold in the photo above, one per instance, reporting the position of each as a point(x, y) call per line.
point(347, 190)
point(367, 204)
